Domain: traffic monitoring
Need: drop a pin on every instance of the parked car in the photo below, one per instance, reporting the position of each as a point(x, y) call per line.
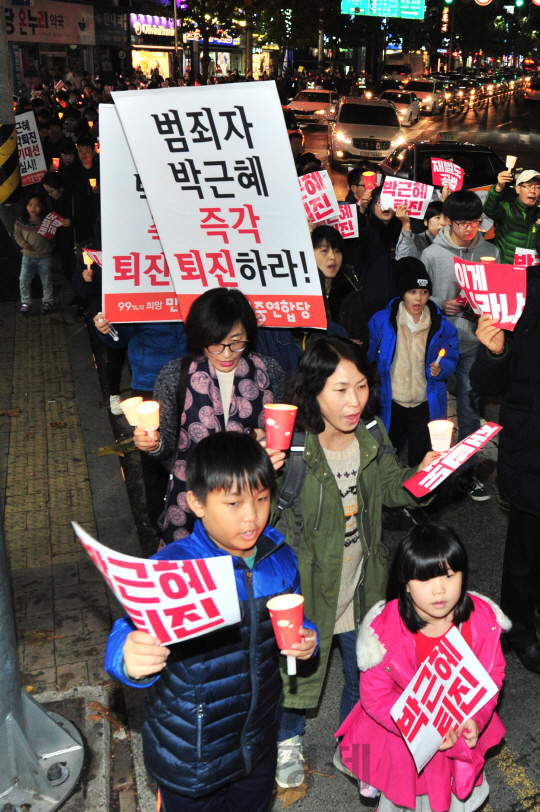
point(430, 94)
point(532, 90)
point(363, 128)
point(406, 104)
point(311, 106)
point(374, 91)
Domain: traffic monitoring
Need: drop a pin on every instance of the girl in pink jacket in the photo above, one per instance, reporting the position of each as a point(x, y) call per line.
point(428, 581)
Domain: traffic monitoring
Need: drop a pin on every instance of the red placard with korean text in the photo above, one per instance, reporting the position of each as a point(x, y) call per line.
point(171, 600)
point(425, 481)
point(415, 195)
point(447, 173)
point(450, 686)
point(216, 166)
point(50, 225)
point(499, 290)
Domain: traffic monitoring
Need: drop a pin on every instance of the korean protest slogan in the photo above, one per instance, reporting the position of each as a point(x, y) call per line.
point(217, 169)
point(450, 686)
point(415, 196)
point(499, 290)
point(447, 173)
point(171, 600)
point(31, 158)
point(137, 285)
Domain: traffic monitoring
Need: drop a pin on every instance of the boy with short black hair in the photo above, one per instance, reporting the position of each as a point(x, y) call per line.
point(460, 238)
point(210, 735)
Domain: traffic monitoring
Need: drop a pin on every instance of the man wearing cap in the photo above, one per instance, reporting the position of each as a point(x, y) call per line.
point(515, 221)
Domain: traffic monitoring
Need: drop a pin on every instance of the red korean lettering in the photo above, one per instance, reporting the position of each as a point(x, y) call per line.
point(205, 574)
point(156, 623)
point(442, 722)
point(192, 575)
point(179, 614)
point(157, 266)
point(221, 267)
point(173, 585)
point(412, 720)
point(191, 267)
point(434, 477)
point(127, 268)
point(253, 219)
point(451, 708)
point(213, 224)
point(139, 567)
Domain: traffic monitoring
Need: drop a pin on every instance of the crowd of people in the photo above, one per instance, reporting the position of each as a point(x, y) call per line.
point(224, 719)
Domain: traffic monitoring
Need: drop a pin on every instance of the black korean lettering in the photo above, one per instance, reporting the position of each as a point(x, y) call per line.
point(180, 173)
point(249, 173)
point(202, 132)
point(249, 266)
point(246, 125)
point(223, 178)
point(166, 125)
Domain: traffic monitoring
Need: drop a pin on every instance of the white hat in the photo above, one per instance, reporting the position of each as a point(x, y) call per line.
point(526, 176)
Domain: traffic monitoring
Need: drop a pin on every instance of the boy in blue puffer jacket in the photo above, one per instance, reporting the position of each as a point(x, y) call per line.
point(404, 341)
point(210, 735)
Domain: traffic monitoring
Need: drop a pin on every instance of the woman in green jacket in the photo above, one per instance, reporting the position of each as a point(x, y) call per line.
point(349, 477)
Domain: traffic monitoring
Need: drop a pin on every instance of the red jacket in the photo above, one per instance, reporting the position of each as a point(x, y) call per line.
point(372, 746)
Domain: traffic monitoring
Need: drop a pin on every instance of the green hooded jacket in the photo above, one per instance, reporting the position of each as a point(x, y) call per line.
point(320, 556)
point(515, 224)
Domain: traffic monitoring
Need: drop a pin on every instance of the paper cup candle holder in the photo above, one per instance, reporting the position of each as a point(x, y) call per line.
point(279, 421)
point(441, 432)
point(287, 615)
point(128, 407)
point(370, 180)
point(148, 416)
point(510, 162)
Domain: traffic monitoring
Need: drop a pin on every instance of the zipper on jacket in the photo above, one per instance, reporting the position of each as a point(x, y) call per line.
point(319, 509)
point(200, 714)
point(252, 655)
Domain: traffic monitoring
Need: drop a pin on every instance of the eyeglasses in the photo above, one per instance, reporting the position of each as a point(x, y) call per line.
point(234, 346)
point(533, 187)
point(468, 224)
point(50, 192)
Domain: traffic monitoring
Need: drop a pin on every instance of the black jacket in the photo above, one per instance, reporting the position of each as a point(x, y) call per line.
point(344, 304)
point(515, 374)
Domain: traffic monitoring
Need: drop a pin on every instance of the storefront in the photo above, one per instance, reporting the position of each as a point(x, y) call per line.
point(110, 53)
point(152, 44)
point(57, 36)
point(225, 52)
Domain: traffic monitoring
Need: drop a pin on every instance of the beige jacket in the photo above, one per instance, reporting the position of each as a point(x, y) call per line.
point(408, 370)
point(27, 233)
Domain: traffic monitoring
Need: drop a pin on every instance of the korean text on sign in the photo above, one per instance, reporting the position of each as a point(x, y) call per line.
point(31, 158)
point(347, 222)
point(206, 160)
point(318, 196)
point(447, 173)
point(450, 686)
point(499, 290)
point(429, 478)
point(171, 600)
point(137, 284)
point(50, 225)
point(526, 257)
point(415, 196)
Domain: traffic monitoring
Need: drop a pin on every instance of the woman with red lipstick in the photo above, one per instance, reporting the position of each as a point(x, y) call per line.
point(222, 386)
point(349, 476)
point(405, 340)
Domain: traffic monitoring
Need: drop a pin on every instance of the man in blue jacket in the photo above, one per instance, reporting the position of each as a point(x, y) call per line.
point(210, 735)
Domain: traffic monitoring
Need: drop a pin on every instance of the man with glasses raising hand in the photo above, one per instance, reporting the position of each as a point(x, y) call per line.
point(460, 238)
point(515, 220)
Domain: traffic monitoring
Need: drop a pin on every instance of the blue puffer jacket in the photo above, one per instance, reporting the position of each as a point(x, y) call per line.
point(382, 345)
point(212, 712)
point(150, 347)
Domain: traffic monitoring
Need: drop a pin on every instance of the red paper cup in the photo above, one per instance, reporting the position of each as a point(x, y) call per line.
point(128, 407)
point(279, 419)
point(148, 415)
point(370, 180)
point(56, 163)
point(287, 615)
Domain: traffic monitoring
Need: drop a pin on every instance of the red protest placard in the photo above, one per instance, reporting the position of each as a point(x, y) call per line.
point(447, 173)
point(415, 195)
point(450, 686)
point(425, 481)
point(498, 290)
point(50, 225)
point(171, 600)
point(318, 196)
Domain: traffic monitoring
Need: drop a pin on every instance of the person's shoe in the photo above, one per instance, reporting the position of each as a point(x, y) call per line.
point(47, 308)
point(290, 763)
point(114, 401)
point(473, 488)
point(530, 657)
point(339, 765)
point(25, 309)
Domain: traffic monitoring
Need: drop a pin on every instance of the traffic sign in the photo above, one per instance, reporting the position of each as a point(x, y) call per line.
point(407, 9)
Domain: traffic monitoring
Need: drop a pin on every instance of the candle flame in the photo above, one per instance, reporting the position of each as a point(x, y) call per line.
point(442, 353)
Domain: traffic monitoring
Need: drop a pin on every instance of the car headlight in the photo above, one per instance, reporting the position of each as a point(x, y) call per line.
point(368, 94)
point(428, 98)
point(343, 138)
point(320, 112)
point(447, 95)
point(396, 142)
point(460, 93)
point(404, 110)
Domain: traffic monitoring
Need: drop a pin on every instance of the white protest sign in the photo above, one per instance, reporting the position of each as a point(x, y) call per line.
point(426, 480)
point(318, 196)
point(346, 223)
point(31, 159)
point(137, 285)
point(486, 223)
point(94, 256)
point(213, 163)
point(416, 196)
point(450, 686)
point(526, 256)
point(171, 600)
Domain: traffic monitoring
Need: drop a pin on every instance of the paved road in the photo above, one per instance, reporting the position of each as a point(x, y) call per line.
point(513, 771)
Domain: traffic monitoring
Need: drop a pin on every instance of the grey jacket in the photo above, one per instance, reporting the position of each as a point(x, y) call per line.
point(412, 245)
point(439, 261)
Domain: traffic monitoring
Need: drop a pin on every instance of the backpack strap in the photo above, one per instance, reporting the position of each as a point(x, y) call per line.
point(375, 430)
point(289, 495)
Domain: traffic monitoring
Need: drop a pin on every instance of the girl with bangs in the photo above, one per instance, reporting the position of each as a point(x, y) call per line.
point(427, 596)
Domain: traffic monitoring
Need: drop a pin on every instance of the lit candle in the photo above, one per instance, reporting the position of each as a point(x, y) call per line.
point(148, 417)
point(487, 259)
point(56, 163)
point(441, 354)
point(90, 124)
point(93, 183)
point(87, 259)
point(60, 116)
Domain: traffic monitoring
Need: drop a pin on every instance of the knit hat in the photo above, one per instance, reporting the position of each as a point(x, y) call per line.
point(526, 176)
point(411, 275)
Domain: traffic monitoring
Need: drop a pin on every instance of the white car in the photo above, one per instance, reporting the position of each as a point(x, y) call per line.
point(363, 128)
point(430, 93)
point(311, 106)
point(406, 104)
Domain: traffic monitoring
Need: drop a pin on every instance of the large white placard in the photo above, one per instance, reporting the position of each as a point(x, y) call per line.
point(31, 159)
point(216, 165)
point(137, 285)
